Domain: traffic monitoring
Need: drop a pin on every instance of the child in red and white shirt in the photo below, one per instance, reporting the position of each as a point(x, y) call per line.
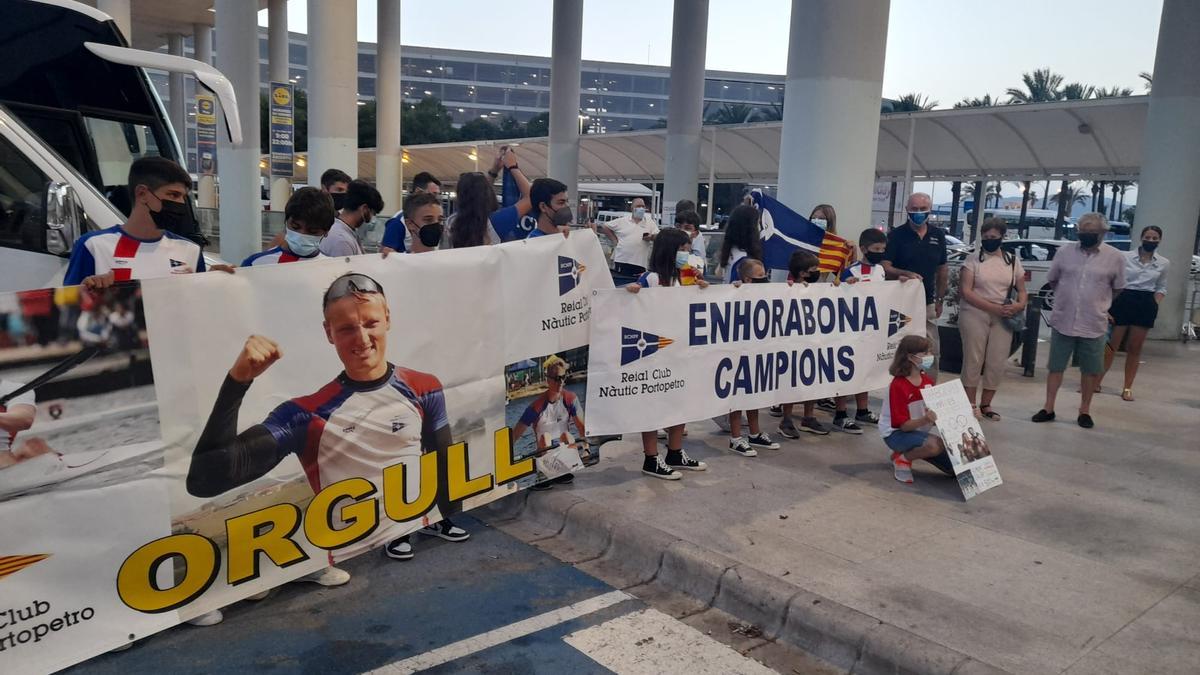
point(906, 424)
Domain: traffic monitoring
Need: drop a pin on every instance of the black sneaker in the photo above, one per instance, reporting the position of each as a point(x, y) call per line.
point(655, 466)
point(813, 426)
point(762, 440)
point(787, 429)
point(447, 530)
point(1085, 421)
point(678, 459)
point(399, 549)
point(775, 411)
point(740, 446)
point(846, 425)
point(866, 417)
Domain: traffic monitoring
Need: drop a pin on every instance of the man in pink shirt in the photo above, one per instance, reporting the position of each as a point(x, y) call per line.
point(1085, 277)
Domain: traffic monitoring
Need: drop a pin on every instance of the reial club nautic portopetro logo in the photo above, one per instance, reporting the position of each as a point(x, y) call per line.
point(897, 322)
point(569, 273)
point(636, 344)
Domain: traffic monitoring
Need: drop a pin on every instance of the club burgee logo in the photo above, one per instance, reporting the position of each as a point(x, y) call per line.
point(636, 344)
point(897, 322)
point(569, 273)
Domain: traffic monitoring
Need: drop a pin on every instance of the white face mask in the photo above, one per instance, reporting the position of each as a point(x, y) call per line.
point(639, 213)
point(820, 222)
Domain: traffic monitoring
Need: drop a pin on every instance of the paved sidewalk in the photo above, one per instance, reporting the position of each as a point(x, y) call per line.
point(1087, 559)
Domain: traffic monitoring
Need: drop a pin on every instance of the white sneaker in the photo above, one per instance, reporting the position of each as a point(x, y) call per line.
point(740, 446)
point(210, 619)
point(330, 576)
point(762, 440)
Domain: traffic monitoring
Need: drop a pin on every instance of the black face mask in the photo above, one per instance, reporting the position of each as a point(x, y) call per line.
point(760, 280)
point(430, 235)
point(875, 258)
point(339, 200)
point(812, 277)
point(562, 217)
point(991, 245)
point(1088, 239)
point(1149, 246)
point(173, 217)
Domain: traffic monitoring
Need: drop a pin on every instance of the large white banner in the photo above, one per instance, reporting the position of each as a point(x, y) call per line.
point(667, 356)
point(365, 407)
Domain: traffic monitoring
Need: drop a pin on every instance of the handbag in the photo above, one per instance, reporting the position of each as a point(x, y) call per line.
point(1016, 322)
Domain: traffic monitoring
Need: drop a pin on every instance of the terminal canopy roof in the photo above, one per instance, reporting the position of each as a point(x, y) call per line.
point(1099, 139)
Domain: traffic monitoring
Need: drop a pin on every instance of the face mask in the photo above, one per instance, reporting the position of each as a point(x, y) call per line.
point(173, 217)
point(812, 277)
point(820, 222)
point(1149, 246)
point(639, 213)
point(303, 245)
point(918, 218)
point(1088, 239)
point(562, 217)
point(682, 259)
point(926, 362)
point(875, 258)
point(991, 245)
point(430, 235)
point(760, 280)
point(339, 200)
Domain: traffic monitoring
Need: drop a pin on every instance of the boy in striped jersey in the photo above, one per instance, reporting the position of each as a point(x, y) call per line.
point(307, 217)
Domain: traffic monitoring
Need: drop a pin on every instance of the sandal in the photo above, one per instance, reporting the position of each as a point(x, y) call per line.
point(1126, 394)
point(987, 412)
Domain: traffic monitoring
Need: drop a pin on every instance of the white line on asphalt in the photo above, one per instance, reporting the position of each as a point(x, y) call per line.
point(650, 642)
point(478, 643)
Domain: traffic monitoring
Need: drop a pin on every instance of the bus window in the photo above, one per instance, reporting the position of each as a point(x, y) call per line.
point(22, 192)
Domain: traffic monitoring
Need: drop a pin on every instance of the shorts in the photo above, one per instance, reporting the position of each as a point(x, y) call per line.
point(1134, 308)
point(1088, 353)
point(903, 441)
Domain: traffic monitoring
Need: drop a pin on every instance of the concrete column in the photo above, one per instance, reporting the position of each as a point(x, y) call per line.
point(831, 108)
point(565, 55)
point(277, 69)
point(332, 87)
point(206, 195)
point(689, 40)
point(1167, 192)
point(120, 13)
point(237, 57)
point(389, 97)
point(176, 91)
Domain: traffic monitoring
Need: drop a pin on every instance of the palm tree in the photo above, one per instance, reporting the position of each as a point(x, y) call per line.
point(913, 102)
point(1148, 77)
point(1114, 92)
point(1040, 85)
point(1068, 196)
point(1118, 190)
point(1077, 92)
point(731, 113)
point(976, 102)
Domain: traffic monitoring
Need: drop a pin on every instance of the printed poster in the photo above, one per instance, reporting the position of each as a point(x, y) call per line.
point(283, 128)
point(969, 451)
point(206, 134)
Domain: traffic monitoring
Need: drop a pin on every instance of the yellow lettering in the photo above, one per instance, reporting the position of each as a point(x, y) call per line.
point(396, 502)
point(361, 517)
point(506, 470)
point(266, 531)
point(459, 483)
point(137, 584)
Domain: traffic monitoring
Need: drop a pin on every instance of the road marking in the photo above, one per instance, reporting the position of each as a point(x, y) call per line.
point(648, 641)
point(499, 636)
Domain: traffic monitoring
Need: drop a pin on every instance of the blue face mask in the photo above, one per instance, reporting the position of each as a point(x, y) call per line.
point(927, 362)
point(303, 245)
point(918, 218)
point(639, 213)
point(682, 258)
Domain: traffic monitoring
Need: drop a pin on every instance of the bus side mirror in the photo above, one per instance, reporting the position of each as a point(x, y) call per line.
point(64, 218)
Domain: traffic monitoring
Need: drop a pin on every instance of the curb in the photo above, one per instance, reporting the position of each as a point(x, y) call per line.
point(631, 553)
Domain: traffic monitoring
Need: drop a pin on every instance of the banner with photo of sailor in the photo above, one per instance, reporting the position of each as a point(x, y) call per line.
point(970, 454)
point(298, 415)
point(672, 355)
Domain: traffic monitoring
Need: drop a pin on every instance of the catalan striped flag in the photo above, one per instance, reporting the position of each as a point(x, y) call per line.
point(784, 231)
point(11, 564)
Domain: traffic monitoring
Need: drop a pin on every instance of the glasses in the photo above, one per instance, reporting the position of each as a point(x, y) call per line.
point(351, 284)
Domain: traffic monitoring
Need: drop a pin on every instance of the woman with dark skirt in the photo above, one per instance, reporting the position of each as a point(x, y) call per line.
point(1134, 310)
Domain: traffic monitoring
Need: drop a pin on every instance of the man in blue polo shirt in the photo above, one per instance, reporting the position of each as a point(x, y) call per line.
point(551, 206)
point(917, 250)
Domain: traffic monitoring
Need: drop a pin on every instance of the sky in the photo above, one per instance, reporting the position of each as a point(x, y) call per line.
point(945, 49)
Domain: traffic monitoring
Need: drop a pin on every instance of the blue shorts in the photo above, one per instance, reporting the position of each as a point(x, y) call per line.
point(903, 441)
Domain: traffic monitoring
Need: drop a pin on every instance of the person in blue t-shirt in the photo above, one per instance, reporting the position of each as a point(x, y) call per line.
point(395, 235)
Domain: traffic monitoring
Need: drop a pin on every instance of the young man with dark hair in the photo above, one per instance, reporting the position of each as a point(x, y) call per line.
point(335, 182)
point(551, 206)
point(307, 217)
point(146, 246)
point(396, 236)
point(355, 219)
point(423, 222)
